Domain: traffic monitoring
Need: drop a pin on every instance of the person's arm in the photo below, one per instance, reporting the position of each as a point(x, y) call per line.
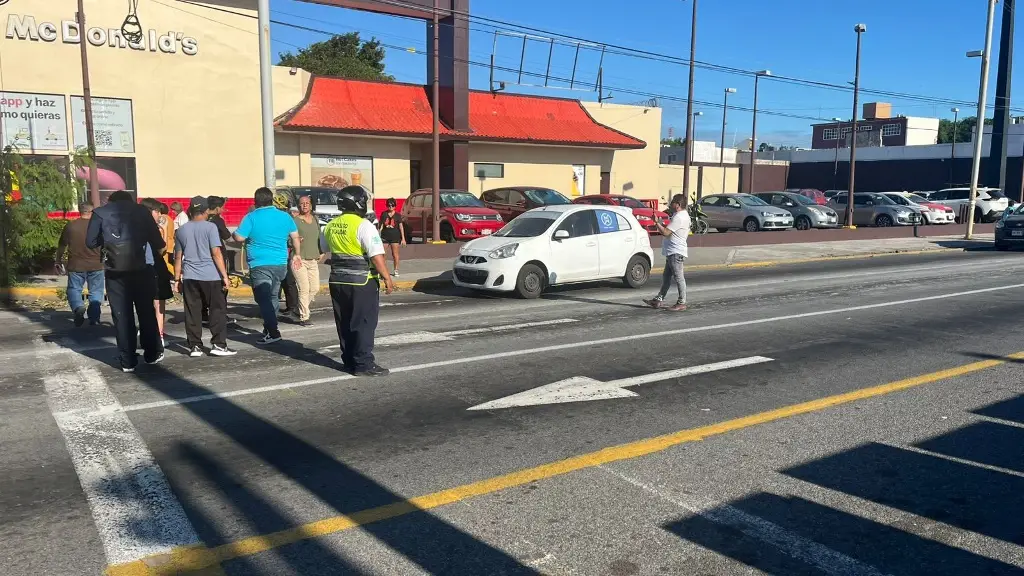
point(177, 268)
point(222, 229)
point(243, 230)
point(674, 225)
point(296, 259)
point(218, 261)
point(321, 246)
point(94, 233)
point(153, 233)
point(373, 248)
point(401, 228)
point(62, 245)
point(382, 268)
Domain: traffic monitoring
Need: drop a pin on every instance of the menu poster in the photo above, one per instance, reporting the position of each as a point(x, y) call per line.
point(341, 171)
point(112, 124)
point(32, 122)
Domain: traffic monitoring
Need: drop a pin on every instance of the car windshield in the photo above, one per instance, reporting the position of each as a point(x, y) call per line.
point(882, 199)
point(546, 197)
point(916, 199)
point(632, 203)
point(897, 199)
point(460, 200)
point(751, 200)
point(802, 200)
point(528, 225)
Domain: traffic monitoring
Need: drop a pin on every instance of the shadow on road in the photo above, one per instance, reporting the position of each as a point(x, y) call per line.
point(968, 245)
point(942, 479)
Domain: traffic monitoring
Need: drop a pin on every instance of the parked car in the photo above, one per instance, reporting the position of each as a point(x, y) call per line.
point(989, 205)
point(325, 200)
point(513, 201)
point(643, 213)
point(933, 213)
point(1010, 229)
point(872, 209)
point(745, 212)
point(463, 216)
point(814, 194)
point(557, 245)
point(829, 194)
point(806, 213)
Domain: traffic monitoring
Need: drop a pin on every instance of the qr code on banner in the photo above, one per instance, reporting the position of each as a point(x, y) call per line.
point(104, 139)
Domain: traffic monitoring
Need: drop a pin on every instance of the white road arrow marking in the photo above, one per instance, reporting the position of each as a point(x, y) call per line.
point(583, 389)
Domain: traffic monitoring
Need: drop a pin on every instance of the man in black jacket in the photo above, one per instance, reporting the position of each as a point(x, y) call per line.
point(128, 236)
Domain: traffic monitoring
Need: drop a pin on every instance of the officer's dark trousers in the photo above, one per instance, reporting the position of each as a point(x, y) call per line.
point(355, 315)
point(131, 293)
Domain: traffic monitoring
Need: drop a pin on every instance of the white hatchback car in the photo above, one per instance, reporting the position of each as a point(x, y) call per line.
point(555, 245)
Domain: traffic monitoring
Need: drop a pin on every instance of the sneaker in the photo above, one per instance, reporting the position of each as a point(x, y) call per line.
point(156, 360)
point(374, 370)
point(680, 307)
point(653, 302)
point(195, 352)
point(269, 339)
point(128, 370)
point(221, 351)
point(306, 323)
point(79, 316)
point(395, 273)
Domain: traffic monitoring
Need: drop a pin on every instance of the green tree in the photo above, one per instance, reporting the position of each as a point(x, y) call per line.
point(765, 147)
point(673, 142)
point(964, 129)
point(343, 56)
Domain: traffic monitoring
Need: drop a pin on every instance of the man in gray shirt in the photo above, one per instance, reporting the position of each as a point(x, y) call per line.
point(202, 279)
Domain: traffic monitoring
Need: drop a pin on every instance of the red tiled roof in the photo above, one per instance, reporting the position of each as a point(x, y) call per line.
point(353, 106)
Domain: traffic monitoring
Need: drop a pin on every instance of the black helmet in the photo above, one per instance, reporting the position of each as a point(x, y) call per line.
point(353, 199)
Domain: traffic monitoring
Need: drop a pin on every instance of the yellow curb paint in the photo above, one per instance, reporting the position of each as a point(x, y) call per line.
point(190, 560)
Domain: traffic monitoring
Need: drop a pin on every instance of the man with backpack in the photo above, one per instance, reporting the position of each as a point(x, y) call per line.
point(123, 229)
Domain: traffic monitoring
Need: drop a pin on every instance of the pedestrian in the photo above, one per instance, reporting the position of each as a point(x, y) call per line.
point(125, 232)
point(311, 252)
point(202, 280)
point(392, 231)
point(267, 233)
point(166, 224)
point(357, 267)
point(159, 265)
point(215, 206)
point(674, 249)
point(83, 265)
point(289, 287)
point(180, 216)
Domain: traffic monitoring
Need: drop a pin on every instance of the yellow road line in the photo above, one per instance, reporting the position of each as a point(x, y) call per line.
point(194, 560)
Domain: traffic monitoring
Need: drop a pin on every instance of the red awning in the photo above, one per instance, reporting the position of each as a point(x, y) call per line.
point(390, 109)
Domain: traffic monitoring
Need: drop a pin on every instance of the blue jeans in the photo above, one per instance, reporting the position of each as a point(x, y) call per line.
point(77, 281)
point(266, 289)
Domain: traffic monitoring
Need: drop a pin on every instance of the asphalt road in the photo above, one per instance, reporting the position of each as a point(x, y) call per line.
point(856, 417)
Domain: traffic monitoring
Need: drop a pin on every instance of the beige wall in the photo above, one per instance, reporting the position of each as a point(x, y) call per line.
point(670, 180)
point(542, 166)
point(289, 89)
point(196, 117)
point(633, 172)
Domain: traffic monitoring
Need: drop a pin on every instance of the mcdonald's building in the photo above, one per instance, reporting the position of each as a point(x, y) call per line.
point(176, 109)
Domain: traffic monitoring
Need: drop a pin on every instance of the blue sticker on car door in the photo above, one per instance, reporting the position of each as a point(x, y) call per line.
point(606, 221)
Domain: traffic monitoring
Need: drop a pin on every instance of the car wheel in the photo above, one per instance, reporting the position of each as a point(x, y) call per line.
point(531, 282)
point(751, 224)
point(638, 271)
point(803, 223)
point(722, 229)
point(447, 233)
point(883, 221)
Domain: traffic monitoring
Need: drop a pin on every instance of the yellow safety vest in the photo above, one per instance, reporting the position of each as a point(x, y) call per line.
point(349, 264)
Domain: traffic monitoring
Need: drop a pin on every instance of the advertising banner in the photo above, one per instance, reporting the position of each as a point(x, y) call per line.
point(579, 176)
point(32, 122)
point(341, 171)
point(112, 124)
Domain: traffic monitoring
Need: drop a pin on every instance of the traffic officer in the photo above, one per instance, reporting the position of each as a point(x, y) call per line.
point(357, 267)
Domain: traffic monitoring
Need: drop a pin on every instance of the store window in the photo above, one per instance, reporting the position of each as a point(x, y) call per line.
point(830, 134)
point(488, 170)
point(891, 130)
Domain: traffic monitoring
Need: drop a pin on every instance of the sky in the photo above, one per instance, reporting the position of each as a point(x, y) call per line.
point(915, 47)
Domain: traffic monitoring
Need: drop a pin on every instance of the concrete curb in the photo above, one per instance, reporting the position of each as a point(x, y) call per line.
point(49, 293)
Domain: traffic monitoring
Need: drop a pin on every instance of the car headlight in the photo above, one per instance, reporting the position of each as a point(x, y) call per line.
point(767, 214)
point(816, 211)
point(506, 251)
point(1000, 224)
point(463, 217)
point(902, 213)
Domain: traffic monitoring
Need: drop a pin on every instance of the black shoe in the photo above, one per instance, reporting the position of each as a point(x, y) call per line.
point(305, 323)
point(374, 370)
point(79, 316)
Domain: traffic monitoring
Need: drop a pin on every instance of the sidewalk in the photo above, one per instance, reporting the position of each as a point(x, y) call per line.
point(423, 273)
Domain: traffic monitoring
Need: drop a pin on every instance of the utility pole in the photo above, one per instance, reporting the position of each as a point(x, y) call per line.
point(835, 167)
point(266, 95)
point(689, 104)
point(721, 157)
point(980, 124)
point(90, 135)
point(998, 143)
point(860, 29)
point(753, 133)
point(436, 135)
point(952, 148)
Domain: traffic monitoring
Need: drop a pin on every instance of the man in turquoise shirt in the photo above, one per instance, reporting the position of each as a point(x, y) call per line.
point(266, 232)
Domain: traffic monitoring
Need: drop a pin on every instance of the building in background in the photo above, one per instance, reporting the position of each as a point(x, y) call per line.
point(877, 128)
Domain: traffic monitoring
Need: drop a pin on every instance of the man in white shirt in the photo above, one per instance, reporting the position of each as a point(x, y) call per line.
point(675, 251)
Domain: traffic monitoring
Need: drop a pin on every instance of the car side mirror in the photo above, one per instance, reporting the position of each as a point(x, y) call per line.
point(561, 234)
point(869, 203)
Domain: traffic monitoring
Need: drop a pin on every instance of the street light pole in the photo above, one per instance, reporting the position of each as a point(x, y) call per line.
point(952, 148)
point(436, 134)
point(90, 135)
point(753, 133)
point(266, 94)
point(725, 112)
point(859, 29)
point(980, 123)
point(835, 168)
point(689, 104)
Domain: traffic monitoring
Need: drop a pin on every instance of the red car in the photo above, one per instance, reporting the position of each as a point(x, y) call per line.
point(817, 195)
point(463, 216)
point(644, 213)
point(513, 201)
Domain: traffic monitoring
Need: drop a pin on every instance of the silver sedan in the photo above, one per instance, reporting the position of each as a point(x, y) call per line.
point(806, 212)
point(744, 212)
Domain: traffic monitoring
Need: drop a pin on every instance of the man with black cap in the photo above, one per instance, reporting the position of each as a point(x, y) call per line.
point(357, 267)
point(124, 229)
point(202, 279)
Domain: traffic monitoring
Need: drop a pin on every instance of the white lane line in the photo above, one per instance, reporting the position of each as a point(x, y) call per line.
point(426, 337)
point(796, 546)
point(572, 345)
point(132, 505)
